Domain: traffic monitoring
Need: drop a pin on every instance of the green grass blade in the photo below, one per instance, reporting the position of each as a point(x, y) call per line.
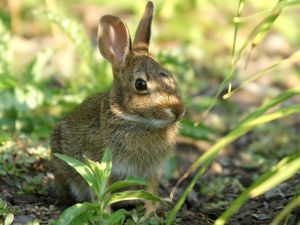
point(284, 63)
point(201, 132)
point(258, 33)
point(243, 127)
point(273, 102)
point(273, 116)
point(134, 195)
point(286, 210)
point(279, 6)
point(237, 131)
point(80, 167)
point(71, 213)
point(282, 171)
point(254, 38)
point(236, 28)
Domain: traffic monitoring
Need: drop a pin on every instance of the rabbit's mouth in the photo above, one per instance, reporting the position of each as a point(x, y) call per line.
point(147, 122)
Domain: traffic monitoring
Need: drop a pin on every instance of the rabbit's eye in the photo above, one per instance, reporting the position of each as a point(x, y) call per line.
point(140, 84)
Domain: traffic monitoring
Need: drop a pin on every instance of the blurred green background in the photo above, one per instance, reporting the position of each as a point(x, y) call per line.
point(49, 61)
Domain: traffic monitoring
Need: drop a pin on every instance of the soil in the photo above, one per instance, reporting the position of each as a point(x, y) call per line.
point(200, 208)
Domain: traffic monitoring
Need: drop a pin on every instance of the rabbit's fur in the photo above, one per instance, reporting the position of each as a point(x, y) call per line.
point(139, 126)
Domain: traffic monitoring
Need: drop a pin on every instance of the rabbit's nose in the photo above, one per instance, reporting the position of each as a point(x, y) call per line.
point(178, 110)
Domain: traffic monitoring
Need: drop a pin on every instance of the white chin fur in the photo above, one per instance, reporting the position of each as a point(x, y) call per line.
point(154, 123)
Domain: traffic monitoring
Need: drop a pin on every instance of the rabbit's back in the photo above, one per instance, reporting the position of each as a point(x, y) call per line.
point(80, 132)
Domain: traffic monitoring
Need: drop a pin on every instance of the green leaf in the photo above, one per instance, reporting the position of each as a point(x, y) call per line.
point(80, 167)
point(106, 163)
point(134, 195)
point(71, 213)
point(9, 219)
point(99, 184)
point(130, 181)
point(6, 82)
point(118, 217)
point(4, 137)
point(101, 171)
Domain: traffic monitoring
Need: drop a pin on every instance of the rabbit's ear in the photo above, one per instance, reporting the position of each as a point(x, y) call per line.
point(143, 32)
point(113, 39)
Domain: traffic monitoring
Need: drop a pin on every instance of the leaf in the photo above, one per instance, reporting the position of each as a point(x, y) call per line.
point(6, 82)
point(80, 167)
point(134, 195)
point(131, 181)
point(118, 217)
point(9, 219)
point(101, 171)
point(4, 137)
point(71, 213)
point(106, 163)
point(99, 185)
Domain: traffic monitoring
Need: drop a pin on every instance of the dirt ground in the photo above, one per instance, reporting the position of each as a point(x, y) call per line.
point(202, 207)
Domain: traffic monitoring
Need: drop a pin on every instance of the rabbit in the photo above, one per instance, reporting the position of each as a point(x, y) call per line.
point(137, 119)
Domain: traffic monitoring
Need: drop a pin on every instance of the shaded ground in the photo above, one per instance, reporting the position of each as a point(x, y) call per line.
point(214, 192)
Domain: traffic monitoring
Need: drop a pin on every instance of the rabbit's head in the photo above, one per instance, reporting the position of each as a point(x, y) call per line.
point(143, 91)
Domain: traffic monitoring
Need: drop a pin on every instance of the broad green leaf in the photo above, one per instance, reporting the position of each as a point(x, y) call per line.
point(134, 195)
point(80, 167)
point(71, 213)
point(118, 217)
point(95, 167)
point(9, 219)
point(106, 163)
point(130, 181)
point(101, 171)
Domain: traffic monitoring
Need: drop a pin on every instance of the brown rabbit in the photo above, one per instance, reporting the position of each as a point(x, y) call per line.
point(137, 119)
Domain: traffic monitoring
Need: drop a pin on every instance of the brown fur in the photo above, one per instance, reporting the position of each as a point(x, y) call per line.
point(139, 147)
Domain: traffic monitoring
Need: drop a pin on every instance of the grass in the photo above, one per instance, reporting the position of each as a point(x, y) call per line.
point(35, 90)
